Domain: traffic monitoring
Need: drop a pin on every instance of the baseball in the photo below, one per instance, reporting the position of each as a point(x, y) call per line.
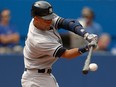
point(93, 67)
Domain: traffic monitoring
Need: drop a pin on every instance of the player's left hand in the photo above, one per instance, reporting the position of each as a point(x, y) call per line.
point(92, 37)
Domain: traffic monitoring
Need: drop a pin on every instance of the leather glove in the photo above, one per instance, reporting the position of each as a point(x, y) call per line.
point(93, 44)
point(92, 37)
point(87, 47)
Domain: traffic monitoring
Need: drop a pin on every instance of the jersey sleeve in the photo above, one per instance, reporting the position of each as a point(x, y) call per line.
point(55, 22)
point(53, 49)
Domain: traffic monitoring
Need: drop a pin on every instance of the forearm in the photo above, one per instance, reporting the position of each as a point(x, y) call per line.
point(70, 54)
point(75, 52)
point(9, 38)
point(15, 38)
point(74, 26)
point(4, 39)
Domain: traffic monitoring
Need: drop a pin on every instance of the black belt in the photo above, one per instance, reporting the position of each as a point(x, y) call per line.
point(42, 70)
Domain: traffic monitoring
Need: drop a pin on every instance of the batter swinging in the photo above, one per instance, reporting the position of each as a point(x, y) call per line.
point(43, 45)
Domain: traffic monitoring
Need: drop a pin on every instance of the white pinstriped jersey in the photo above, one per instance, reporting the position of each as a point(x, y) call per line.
point(41, 46)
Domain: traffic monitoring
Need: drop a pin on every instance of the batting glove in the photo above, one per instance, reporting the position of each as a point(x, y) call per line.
point(87, 47)
point(92, 37)
point(93, 44)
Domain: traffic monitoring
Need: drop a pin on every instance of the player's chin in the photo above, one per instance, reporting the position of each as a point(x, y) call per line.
point(47, 28)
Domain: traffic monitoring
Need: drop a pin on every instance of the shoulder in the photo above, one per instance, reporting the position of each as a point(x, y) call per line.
point(31, 22)
point(44, 44)
point(55, 21)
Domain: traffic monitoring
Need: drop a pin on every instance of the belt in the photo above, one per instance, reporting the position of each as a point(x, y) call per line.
point(41, 70)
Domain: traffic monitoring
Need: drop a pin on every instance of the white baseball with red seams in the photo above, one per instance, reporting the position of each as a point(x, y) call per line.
point(93, 67)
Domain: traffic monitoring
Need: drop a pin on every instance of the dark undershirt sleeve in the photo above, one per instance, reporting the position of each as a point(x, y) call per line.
point(60, 52)
point(72, 25)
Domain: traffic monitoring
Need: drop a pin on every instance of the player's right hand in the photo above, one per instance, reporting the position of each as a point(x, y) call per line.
point(93, 44)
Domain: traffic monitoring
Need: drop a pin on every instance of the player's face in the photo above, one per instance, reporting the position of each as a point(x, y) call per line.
point(5, 15)
point(44, 24)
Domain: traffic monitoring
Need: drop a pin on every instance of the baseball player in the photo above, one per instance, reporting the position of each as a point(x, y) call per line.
point(44, 45)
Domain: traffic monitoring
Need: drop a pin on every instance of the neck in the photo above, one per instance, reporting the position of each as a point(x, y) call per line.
point(36, 25)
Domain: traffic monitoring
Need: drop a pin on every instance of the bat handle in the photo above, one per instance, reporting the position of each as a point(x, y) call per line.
point(85, 72)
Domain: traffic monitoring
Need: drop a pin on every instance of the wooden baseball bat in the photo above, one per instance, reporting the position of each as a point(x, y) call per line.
point(87, 61)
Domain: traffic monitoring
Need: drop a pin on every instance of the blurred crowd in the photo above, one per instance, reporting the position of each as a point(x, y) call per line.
point(10, 37)
point(91, 26)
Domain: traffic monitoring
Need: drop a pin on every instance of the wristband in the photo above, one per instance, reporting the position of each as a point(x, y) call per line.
point(83, 49)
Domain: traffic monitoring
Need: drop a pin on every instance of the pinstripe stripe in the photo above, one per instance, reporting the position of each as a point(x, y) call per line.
point(56, 24)
point(56, 50)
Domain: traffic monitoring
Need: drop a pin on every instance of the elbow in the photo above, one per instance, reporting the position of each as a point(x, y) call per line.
point(4, 41)
point(16, 38)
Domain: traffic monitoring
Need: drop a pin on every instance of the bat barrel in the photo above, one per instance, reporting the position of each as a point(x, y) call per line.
point(87, 62)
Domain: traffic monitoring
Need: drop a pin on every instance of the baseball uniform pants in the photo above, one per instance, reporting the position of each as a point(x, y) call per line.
point(31, 78)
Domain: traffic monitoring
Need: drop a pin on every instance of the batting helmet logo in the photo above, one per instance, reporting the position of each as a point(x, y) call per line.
point(50, 10)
